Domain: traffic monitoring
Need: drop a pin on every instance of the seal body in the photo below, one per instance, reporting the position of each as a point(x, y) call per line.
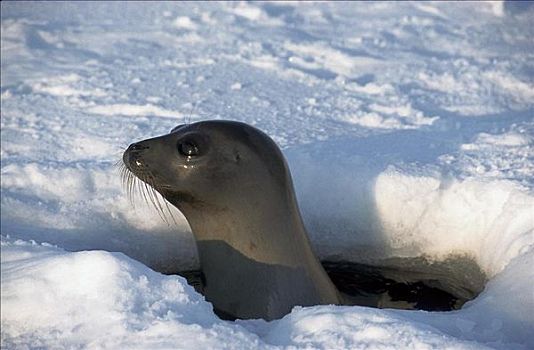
point(232, 183)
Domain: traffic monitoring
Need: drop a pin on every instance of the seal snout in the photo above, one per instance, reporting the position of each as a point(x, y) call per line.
point(132, 155)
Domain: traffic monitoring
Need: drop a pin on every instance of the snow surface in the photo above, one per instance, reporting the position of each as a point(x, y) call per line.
point(408, 127)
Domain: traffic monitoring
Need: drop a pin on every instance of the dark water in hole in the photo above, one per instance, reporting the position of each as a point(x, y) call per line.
point(400, 283)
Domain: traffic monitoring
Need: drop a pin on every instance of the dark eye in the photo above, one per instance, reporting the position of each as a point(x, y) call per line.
point(188, 148)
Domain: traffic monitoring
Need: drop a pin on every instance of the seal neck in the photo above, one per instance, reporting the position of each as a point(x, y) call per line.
point(262, 228)
point(255, 254)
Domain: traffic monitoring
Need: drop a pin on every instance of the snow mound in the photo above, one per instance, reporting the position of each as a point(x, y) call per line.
point(97, 299)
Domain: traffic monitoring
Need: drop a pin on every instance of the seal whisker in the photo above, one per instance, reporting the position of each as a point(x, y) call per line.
point(150, 195)
point(169, 211)
point(139, 188)
point(143, 188)
point(124, 177)
point(119, 164)
point(144, 191)
point(126, 185)
point(122, 171)
point(144, 185)
point(131, 182)
point(158, 203)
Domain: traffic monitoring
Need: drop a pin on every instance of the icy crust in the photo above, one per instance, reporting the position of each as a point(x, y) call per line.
point(95, 299)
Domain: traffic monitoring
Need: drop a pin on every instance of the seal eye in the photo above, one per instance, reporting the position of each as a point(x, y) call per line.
point(192, 145)
point(188, 148)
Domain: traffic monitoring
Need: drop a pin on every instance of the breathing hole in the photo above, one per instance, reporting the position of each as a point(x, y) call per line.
point(399, 283)
point(409, 283)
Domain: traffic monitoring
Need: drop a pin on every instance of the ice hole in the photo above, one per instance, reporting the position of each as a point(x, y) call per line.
point(401, 283)
point(409, 283)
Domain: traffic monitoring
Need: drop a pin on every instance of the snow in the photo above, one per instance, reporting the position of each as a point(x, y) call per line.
point(133, 110)
point(408, 128)
point(106, 301)
point(96, 299)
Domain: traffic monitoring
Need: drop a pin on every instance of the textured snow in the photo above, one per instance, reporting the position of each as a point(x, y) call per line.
point(408, 128)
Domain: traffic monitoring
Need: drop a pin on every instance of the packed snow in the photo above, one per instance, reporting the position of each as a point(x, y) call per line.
point(408, 128)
